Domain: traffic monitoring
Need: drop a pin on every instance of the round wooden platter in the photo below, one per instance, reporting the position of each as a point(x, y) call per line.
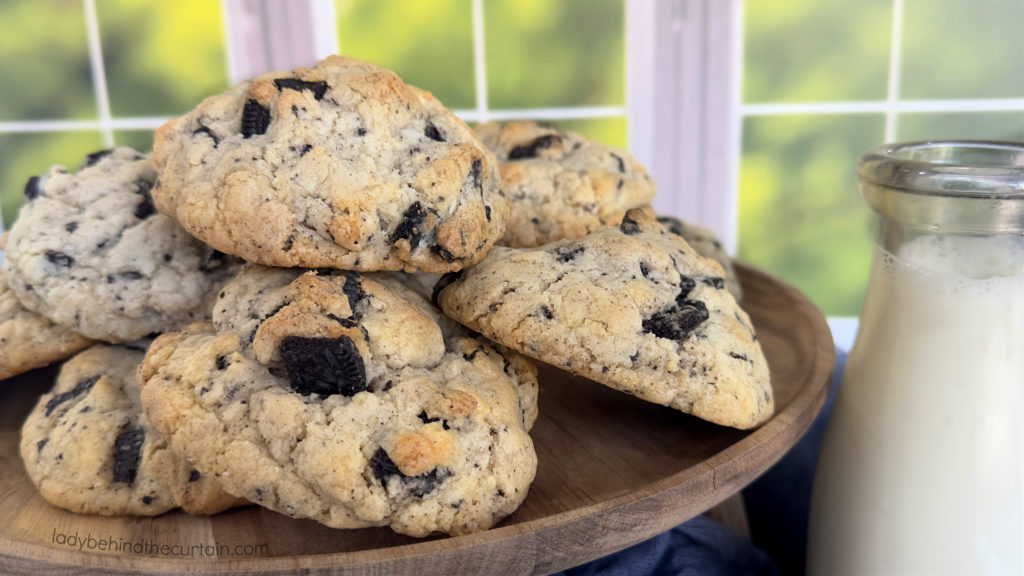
point(613, 471)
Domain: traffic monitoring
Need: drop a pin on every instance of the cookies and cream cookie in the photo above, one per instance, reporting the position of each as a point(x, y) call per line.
point(88, 448)
point(707, 245)
point(29, 340)
point(560, 184)
point(331, 396)
point(341, 165)
point(90, 252)
point(633, 307)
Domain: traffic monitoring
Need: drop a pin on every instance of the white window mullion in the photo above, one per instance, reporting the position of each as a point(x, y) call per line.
point(471, 115)
point(723, 57)
point(229, 40)
point(480, 62)
point(247, 55)
point(884, 106)
point(325, 28)
point(566, 113)
point(99, 75)
point(652, 99)
point(735, 127)
point(269, 35)
point(642, 81)
point(681, 110)
point(895, 64)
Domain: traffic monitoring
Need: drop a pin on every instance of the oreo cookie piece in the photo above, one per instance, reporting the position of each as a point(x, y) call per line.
point(255, 119)
point(323, 366)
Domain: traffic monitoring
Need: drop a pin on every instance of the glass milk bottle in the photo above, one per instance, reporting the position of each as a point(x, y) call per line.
point(922, 465)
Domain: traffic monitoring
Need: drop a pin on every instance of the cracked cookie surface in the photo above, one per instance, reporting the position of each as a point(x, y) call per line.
point(29, 340)
point(561, 185)
point(90, 252)
point(341, 165)
point(707, 245)
point(338, 397)
point(632, 307)
point(88, 448)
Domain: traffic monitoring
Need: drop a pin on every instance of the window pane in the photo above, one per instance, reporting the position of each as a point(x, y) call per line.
point(801, 216)
point(957, 49)
point(161, 58)
point(610, 131)
point(141, 140)
point(26, 155)
point(44, 59)
point(548, 53)
point(430, 45)
point(808, 51)
point(1007, 126)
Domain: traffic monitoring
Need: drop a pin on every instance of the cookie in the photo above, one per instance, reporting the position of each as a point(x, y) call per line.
point(340, 165)
point(417, 290)
point(633, 307)
point(90, 252)
point(330, 396)
point(707, 245)
point(29, 340)
point(560, 184)
point(88, 448)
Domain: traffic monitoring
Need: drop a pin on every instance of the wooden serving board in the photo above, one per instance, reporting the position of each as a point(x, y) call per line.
point(613, 471)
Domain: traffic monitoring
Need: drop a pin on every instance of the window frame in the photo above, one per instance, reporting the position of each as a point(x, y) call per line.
point(684, 65)
point(683, 62)
point(264, 35)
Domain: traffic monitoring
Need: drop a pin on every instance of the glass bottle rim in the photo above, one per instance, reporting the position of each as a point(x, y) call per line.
point(951, 168)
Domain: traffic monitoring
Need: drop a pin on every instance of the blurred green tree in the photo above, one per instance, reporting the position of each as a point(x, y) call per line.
point(44, 58)
point(550, 54)
point(430, 45)
point(161, 58)
point(539, 54)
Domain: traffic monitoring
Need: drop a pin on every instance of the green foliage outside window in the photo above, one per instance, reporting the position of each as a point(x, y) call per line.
point(161, 58)
point(430, 45)
point(538, 53)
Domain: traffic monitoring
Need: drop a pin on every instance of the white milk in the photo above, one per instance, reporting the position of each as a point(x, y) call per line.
point(922, 466)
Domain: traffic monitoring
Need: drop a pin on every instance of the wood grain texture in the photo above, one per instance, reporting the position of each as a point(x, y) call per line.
point(613, 471)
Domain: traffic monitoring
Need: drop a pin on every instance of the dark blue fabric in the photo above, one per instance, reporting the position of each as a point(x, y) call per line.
point(777, 504)
point(698, 547)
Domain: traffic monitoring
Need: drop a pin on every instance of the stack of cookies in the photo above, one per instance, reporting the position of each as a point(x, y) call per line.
point(320, 292)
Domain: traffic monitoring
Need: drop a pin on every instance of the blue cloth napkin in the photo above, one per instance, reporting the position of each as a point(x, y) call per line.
point(778, 504)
